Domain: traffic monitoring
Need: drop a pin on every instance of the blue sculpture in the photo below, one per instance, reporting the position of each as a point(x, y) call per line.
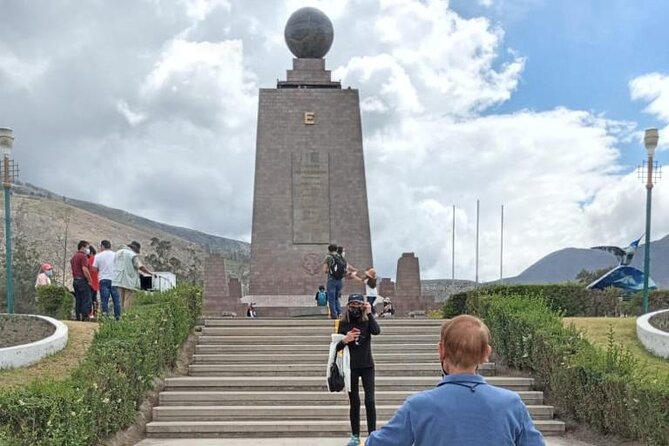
point(622, 276)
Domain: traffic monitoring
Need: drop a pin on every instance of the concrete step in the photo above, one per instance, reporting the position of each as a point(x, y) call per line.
point(284, 398)
point(312, 331)
point(313, 339)
point(315, 383)
point(310, 348)
point(307, 358)
point(294, 322)
point(320, 412)
point(318, 369)
point(273, 428)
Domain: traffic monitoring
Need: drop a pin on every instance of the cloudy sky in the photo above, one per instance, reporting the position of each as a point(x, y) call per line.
point(150, 106)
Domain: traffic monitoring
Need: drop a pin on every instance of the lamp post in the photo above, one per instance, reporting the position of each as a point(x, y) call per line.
point(6, 143)
point(650, 141)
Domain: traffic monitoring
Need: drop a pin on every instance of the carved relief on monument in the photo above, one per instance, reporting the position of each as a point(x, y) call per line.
point(312, 263)
point(311, 198)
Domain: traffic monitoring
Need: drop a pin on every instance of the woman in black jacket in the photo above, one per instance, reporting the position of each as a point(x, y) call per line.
point(359, 325)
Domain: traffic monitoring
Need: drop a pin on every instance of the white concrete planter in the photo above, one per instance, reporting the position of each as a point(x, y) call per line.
point(27, 354)
point(656, 341)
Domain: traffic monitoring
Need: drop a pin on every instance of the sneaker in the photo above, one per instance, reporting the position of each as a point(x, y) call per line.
point(354, 441)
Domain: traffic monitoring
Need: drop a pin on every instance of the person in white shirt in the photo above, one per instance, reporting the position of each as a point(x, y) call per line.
point(104, 264)
point(371, 291)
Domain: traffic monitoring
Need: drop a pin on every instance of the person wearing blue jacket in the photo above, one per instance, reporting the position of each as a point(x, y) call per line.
point(463, 410)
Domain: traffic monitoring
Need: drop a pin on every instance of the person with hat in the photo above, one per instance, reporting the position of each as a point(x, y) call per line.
point(127, 266)
point(44, 276)
point(359, 325)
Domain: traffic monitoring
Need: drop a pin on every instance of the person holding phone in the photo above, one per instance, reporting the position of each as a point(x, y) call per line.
point(359, 325)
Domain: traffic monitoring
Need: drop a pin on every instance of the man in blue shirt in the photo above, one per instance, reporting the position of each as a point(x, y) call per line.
point(463, 410)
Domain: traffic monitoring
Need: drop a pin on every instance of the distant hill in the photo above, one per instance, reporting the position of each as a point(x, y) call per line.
point(442, 289)
point(232, 249)
point(51, 226)
point(563, 265)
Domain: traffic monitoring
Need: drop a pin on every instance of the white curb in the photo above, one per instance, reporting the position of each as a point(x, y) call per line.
point(27, 354)
point(656, 341)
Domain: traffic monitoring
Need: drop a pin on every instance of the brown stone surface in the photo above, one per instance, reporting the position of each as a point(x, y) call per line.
point(216, 291)
point(408, 275)
point(235, 288)
point(298, 164)
point(387, 288)
point(408, 288)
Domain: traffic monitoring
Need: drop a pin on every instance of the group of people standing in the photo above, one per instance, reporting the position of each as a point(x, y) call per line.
point(338, 269)
point(111, 274)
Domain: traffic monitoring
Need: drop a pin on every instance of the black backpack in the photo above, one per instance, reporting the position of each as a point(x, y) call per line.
point(337, 267)
point(336, 380)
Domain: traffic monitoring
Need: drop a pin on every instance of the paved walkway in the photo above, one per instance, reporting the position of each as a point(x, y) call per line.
point(550, 441)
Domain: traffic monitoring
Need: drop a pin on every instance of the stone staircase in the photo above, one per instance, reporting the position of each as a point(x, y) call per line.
point(266, 378)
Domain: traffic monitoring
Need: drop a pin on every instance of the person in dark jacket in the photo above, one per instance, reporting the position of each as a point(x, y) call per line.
point(359, 325)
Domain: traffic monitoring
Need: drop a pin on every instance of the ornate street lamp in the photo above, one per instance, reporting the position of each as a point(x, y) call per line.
point(6, 144)
point(650, 141)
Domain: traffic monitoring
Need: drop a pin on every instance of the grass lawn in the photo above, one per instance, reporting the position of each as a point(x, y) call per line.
point(596, 330)
point(59, 365)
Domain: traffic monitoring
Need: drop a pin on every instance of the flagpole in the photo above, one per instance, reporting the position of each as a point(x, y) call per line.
point(477, 241)
point(501, 248)
point(453, 247)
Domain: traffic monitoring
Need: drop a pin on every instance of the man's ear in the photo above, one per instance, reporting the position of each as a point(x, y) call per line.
point(488, 353)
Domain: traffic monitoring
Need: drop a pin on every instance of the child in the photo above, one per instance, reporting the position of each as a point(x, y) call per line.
point(321, 296)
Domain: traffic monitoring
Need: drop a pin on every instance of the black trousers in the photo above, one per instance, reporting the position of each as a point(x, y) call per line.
point(367, 375)
point(82, 299)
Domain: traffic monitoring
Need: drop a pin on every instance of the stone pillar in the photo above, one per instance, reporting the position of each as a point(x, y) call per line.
point(407, 288)
point(216, 291)
point(387, 288)
point(235, 287)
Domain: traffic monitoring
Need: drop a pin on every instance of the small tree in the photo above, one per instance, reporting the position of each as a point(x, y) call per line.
point(586, 277)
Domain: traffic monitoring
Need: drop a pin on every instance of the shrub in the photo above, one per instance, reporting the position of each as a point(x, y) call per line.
point(568, 299)
point(657, 300)
point(604, 388)
point(55, 301)
point(104, 392)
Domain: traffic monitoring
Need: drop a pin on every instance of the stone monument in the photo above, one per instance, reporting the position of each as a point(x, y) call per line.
point(310, 187)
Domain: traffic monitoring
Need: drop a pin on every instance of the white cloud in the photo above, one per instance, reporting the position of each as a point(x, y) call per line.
point(19, 72)
point(186, 81)
point(654, 88)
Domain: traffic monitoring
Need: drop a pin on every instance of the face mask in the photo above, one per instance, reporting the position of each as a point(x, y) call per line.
point(48, 273)
point(87, 251)
point(355, 313)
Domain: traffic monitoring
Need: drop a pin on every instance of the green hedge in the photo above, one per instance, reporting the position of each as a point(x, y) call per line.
point(604, 388)
point(55, 301)
point(568, 299)
point(105, 391)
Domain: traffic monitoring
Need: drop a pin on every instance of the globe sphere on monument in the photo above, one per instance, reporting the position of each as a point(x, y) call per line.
point(309, 33)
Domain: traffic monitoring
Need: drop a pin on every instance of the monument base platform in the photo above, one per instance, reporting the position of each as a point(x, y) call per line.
point(285, 306)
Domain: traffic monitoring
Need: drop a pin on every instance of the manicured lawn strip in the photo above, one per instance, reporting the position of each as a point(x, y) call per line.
point(57, 366)
point(596, 330)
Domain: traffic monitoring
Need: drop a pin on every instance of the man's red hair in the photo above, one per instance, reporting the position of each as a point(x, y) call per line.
point(465, 340)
